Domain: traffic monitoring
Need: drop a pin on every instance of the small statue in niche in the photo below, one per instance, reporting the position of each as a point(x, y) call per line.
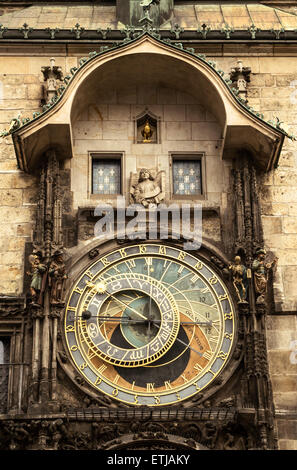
point(147, 132)
point(37, 272)
point(239, 277)
point(57, 276)
point(148, 191)
point(260, 270)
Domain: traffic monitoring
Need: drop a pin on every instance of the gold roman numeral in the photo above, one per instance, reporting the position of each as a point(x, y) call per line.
point(130, 263)
point(150, 387)
point(116, 379)
point(207, 355)
point(180, 269)
point(168, 385)
point(213, 338)
point(102, 368)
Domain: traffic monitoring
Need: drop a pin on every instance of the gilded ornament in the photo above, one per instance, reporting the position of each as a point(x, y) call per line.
point(147, 132)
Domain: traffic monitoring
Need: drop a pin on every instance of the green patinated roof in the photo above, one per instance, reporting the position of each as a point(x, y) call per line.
point(188, 16)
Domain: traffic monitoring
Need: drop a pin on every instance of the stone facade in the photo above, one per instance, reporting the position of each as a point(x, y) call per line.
point(107, 125)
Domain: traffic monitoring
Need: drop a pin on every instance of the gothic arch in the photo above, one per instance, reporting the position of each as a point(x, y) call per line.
point(149, 441)
point(240, 127)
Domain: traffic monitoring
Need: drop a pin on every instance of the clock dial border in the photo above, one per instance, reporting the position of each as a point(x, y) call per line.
point(172, 253)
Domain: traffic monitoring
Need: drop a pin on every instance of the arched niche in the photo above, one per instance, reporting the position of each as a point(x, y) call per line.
point(147, 119)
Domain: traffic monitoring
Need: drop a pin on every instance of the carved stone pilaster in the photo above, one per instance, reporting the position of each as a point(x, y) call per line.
point(46, 306)
point(239, 210)
point(248, 225)
point(48, 227)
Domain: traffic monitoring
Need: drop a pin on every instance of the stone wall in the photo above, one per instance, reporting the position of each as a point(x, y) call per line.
point(108, 126)
point(273, 91)
point(282, 357)
point(20, 93)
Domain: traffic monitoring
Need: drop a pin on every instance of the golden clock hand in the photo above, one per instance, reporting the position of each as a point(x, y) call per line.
point(102, 289)
point(126, 305)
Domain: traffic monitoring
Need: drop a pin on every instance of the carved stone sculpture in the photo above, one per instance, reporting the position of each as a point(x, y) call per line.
point(148, 191)
point(52, 76)
point(57, 276)
point(260, 270)
point(37, 271)
point(239, 278)
point(240, 76)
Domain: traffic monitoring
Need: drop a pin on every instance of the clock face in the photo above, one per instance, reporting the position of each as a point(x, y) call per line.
point(149, 324)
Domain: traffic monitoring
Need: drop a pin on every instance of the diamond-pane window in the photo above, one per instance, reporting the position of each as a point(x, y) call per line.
point(186, 177)
point(106, 176)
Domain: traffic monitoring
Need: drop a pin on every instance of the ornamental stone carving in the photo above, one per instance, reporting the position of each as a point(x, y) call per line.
point(147, 190)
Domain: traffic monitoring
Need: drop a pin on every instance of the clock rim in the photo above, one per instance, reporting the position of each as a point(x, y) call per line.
point(204, 254)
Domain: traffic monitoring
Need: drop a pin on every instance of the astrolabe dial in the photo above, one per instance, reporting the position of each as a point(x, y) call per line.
point(149, 324)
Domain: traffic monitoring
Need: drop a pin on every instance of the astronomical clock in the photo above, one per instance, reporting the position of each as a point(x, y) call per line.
point(118, 342)
point(149, 324)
